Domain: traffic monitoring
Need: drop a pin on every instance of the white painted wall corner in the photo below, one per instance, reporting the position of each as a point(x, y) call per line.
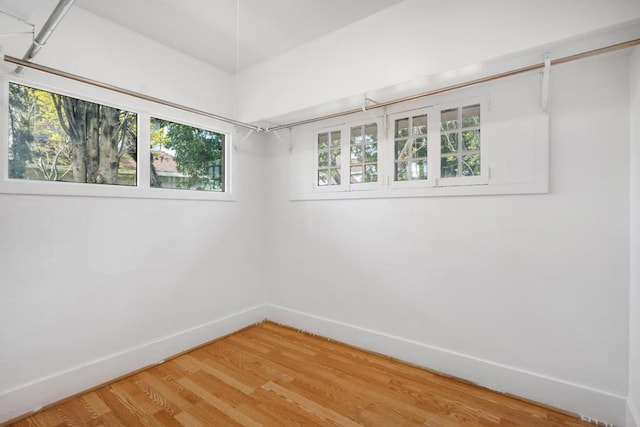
point(582, 400)
point(44, 391)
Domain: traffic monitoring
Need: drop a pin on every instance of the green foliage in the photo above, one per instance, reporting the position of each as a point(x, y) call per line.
point(198, 153)
point(21, 111)
point(60, 138)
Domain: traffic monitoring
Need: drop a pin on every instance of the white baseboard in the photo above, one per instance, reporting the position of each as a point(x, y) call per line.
point(44, 391)
point(595, 404)
point(633, 416)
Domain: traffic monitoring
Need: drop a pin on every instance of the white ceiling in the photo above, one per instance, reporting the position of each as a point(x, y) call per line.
point(19, 8)
point(207, 29)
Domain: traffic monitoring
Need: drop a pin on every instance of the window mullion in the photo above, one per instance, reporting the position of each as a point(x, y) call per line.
point(433, 145)
point(144, 150)
point(460, 142)
point(345, 155)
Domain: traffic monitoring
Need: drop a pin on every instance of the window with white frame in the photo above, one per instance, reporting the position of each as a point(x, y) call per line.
point(460, 141)
point(484, 140)
point(364, 153)
point(329, 160)
point(413, 158)
point(53, 136)
point(186, 157)
point(456, 160)
point(359, 168)
point(410, 148)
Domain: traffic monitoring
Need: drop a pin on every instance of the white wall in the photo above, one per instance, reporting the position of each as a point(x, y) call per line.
point(634, 296)
point(93, 288)
point(527, 294)
point(92, 47)
point(413, 39)
point(534, 299)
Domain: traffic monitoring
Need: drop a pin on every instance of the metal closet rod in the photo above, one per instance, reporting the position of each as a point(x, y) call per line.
point(562, 60)
point(27, 64)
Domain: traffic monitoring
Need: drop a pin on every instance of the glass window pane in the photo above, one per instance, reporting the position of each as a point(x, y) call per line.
point(471, 165)
point(356, 135)
point(471, 116)
point(420, 125)
point(323, 159)
point(448, 143)
point(402, 171)
point(419, 169)
point(449, 166)
point(371, 153)
point(186, 157)
point(41, 148)
point(402, 128)
point(335, 139)
point(420, 147)
point(371, 173)
point(371, 132)
point(356, 154)
point(356, 174)
point(402, 149)
point(471, 140)
point(323, 177)
point(323, 141)
point(334, 157)
point(449, 119)
point(335, 177)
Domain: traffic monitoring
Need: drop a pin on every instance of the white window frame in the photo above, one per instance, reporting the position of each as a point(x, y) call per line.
point(390, 152)
point(345, 155)
point(481, 179)
point(510, 136)
point(434, 178)
point(227, 176)
point(316, 154)
point(144, 110)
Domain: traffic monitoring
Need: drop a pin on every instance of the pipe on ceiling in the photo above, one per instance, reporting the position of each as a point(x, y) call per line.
point(47, 29)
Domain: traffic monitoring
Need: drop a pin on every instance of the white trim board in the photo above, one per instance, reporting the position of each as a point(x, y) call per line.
point(582, 400)
point(31, 397)
point(585, 401)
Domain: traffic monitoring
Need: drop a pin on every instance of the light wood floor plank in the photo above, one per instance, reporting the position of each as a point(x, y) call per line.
point(269, 375)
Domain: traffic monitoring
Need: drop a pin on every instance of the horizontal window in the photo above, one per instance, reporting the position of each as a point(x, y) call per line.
point(358, 169)
point(61, 144)
point(485, 140)
point(54, 137)
point(185, 157)
point(412, 160)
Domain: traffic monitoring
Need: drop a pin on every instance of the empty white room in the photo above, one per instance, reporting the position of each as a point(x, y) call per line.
point(320, 212)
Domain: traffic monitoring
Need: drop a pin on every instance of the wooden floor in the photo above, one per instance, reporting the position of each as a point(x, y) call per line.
point(274, 376)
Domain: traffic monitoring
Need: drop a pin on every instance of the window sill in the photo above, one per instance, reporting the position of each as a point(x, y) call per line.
point(44, 188)
point(445, 191)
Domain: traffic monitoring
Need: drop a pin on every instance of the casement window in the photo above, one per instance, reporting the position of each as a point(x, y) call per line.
point(410, 148)
point(186, 157)
point(329, 158)
point(359, 169)
point(99, 149)
point(438, 146)
point(363, 146)
point(491, 139)
point(460, 142)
